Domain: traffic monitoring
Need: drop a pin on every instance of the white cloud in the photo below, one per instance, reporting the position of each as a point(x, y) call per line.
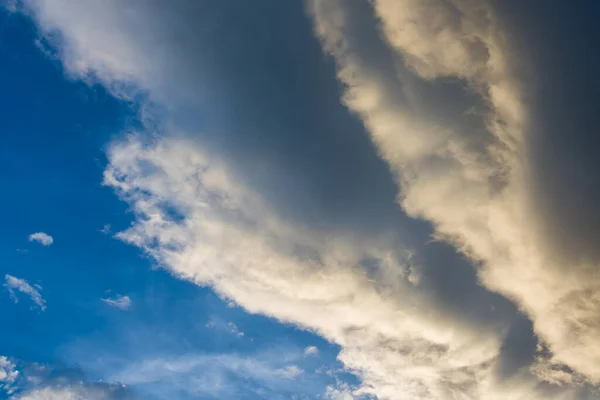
point(75, 391)
point(290, 371)
point(234, 329)
point(214, 375)
point(51, 394)
point(118, 301)
point(339, 393)
point(311, 351)
point(42, 238)
point(34, 381)
point(8, 375)
point(106, 229)
point(14, 285)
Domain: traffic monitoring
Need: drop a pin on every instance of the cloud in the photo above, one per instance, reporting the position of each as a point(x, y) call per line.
point(118, 301)
point(441, 90)
point(42, 238)
point(57, 394)
point(290, 371)
point(339, 393)
point(311, 351)
point(76, 391)
point(217, 375)
point(471, 181)
point(224, 236)
point(8, 375)
point(14, 285)
point(34, 381)
point(234, 329)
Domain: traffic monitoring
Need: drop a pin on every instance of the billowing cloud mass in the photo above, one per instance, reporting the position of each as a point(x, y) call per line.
point(445, 91)
point(118, 301)
point(471, 182)
point(42, 238)
point(14, 285)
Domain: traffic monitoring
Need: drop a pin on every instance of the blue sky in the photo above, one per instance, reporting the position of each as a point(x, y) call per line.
point(325, 199)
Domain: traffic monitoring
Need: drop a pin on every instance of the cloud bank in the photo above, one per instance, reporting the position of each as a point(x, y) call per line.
point(444, 90)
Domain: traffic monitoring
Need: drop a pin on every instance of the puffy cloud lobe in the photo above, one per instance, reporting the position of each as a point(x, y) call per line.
point(42, 238)
point(8, 375)
point(13, 285)
point(474, 186)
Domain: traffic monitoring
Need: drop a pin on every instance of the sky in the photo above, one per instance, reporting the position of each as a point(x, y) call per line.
point(319, 199)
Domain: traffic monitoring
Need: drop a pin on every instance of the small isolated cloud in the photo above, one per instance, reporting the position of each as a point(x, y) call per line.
point(42, 238)
point(106, 229)
point(8, 375)
point(211, 324)
point(311, 351)
point(14, 285)
point(290, 371)
point(234, 329)
point(118, 301)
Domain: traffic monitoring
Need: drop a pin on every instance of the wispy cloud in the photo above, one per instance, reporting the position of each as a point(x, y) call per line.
point(311, 351)
point(15, 285)
point(290, 371)
point(217, 375)
point(42, 238)
point(118, 301)
point(234, 329)
point(106, 229)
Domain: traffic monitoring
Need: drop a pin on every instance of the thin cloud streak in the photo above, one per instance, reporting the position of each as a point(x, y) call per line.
point(14, 285)
point(118, 301)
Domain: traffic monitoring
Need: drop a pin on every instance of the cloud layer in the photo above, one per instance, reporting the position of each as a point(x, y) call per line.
point(444, 90)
